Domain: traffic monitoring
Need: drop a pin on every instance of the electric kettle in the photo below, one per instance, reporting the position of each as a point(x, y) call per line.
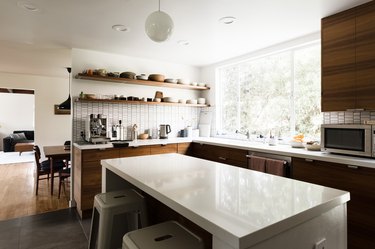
point(164, 131)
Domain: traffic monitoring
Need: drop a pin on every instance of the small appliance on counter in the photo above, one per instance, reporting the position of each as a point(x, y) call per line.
point(96, 129)
point(164, 131)
point(205, 123)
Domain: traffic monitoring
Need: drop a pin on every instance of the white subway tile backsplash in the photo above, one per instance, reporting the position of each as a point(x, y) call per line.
point(145, 116)
point(358, 117)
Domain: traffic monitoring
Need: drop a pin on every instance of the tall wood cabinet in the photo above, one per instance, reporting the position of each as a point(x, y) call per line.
point(359, 181)
point(348, 59)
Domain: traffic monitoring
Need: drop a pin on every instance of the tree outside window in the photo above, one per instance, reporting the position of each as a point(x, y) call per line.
point(278, 93)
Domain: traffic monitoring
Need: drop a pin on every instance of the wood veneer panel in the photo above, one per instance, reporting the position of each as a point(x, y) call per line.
point(135, 151)
point(163, 149)
point(365, 56)
point(338, 61)
point(359, 182)
point(183, 148)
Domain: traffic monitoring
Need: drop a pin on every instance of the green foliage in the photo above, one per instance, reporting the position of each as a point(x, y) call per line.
point(280, 92)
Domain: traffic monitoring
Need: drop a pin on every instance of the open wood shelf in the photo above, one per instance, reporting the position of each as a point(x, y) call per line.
point(139, 102)
point(139, 82)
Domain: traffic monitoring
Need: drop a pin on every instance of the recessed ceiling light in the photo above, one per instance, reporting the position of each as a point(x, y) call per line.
point(227, 19)
point(183, 42)
point(27, 6)
point(120, 27)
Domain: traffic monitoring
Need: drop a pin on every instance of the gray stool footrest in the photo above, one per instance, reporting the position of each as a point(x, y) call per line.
point(167, 235)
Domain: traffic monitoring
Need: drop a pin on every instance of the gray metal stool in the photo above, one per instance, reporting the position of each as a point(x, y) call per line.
point(114, 214)
point(167, 235)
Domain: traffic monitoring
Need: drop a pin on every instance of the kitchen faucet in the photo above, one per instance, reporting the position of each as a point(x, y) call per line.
point(247, 134)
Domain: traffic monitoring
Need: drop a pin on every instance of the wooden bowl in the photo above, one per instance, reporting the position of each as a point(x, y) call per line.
point(156, 77)
point(143, 136)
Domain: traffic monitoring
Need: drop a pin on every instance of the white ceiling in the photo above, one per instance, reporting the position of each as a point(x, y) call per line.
point(86, 24)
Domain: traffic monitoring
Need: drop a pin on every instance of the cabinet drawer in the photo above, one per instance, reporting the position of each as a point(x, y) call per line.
point(162, 149)
point(220, 154)
point(99, 154)
point(135, 151)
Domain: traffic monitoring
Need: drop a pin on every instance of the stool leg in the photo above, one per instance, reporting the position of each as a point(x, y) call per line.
point(143, 220)
point(105, 230)
point(94, 229)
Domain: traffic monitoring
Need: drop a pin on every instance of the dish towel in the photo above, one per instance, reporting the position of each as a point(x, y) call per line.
point(275, 167)
point(258, 163)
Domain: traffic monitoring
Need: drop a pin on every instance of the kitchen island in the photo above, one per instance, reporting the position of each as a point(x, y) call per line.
point(240, 208)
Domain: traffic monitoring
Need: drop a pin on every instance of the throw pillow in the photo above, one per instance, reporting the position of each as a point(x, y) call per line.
point(18, 136)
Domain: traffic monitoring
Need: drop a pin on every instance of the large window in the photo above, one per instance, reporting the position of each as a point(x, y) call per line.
point(278, 93)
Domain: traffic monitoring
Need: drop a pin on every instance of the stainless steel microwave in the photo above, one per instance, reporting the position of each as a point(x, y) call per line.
point(348, 139)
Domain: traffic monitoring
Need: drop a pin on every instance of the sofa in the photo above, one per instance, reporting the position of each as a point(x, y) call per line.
point(17, 137)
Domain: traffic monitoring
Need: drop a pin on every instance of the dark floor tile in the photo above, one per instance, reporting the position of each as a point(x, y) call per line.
point(55, 230)
point(86, 226)
point(10, 238)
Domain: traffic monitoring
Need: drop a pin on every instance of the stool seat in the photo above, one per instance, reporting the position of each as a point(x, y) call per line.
point(167, 235)
point(114, 214)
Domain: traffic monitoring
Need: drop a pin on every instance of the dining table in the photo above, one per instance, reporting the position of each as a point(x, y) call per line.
point(54, 153)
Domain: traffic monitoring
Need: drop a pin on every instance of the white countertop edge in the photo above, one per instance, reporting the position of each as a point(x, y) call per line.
point(244, 145)
point(137, 143)
point(231, 239)
point(286, 150)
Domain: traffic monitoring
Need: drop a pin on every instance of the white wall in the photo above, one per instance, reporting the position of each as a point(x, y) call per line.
point(16, 113)
point(50, 129)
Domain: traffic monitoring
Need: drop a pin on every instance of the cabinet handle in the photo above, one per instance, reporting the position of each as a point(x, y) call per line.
point(352, 167)
point(222, 158)
point(309, 160)
point(355, 109)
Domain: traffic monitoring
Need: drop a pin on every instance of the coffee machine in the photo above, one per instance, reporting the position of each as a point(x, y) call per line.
point(96, 129)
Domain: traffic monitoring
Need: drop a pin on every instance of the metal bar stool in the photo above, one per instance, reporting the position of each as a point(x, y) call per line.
point(167, 235)
point(114, 214)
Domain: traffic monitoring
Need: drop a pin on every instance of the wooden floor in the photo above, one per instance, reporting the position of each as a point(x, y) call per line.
point(17, 192)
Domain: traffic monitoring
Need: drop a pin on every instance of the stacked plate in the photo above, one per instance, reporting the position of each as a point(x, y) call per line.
point(170, 100)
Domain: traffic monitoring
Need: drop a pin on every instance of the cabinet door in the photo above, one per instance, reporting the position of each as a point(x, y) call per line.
point(365, 56)
point(135, 151)
point(359, 181)
point(183, 148)
point(338, 61)
point(163, 148)
point(236, 157)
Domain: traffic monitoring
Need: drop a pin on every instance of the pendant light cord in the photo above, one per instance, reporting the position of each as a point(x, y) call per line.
point(159, 5)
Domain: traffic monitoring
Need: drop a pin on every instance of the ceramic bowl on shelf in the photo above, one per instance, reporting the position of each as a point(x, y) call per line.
point(201, 101)
point(182, 101)
point(156, 77)
point(174, 81)
point(202, 84)
point(183, 81)
point(127, 75)
point(170, 100)
point(142, 77)
point(192, 101)
point(194, 83)
point(157, 99)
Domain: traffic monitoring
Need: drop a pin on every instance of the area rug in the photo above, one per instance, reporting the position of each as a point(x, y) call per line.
point(15, 157)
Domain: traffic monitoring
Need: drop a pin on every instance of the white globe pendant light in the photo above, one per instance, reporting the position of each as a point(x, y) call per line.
point(159, 26)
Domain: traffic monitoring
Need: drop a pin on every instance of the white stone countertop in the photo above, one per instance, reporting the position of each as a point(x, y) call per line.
point(139, 142)
point(251, 146)
point(239, 206)
point(287, 150)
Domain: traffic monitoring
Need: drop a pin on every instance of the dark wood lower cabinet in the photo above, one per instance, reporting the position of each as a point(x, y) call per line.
point(359, 181)
point(88, 170)
point(235, 157)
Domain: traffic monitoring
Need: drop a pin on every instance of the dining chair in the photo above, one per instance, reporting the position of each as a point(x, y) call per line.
point(44, 168)
point(63, 175)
